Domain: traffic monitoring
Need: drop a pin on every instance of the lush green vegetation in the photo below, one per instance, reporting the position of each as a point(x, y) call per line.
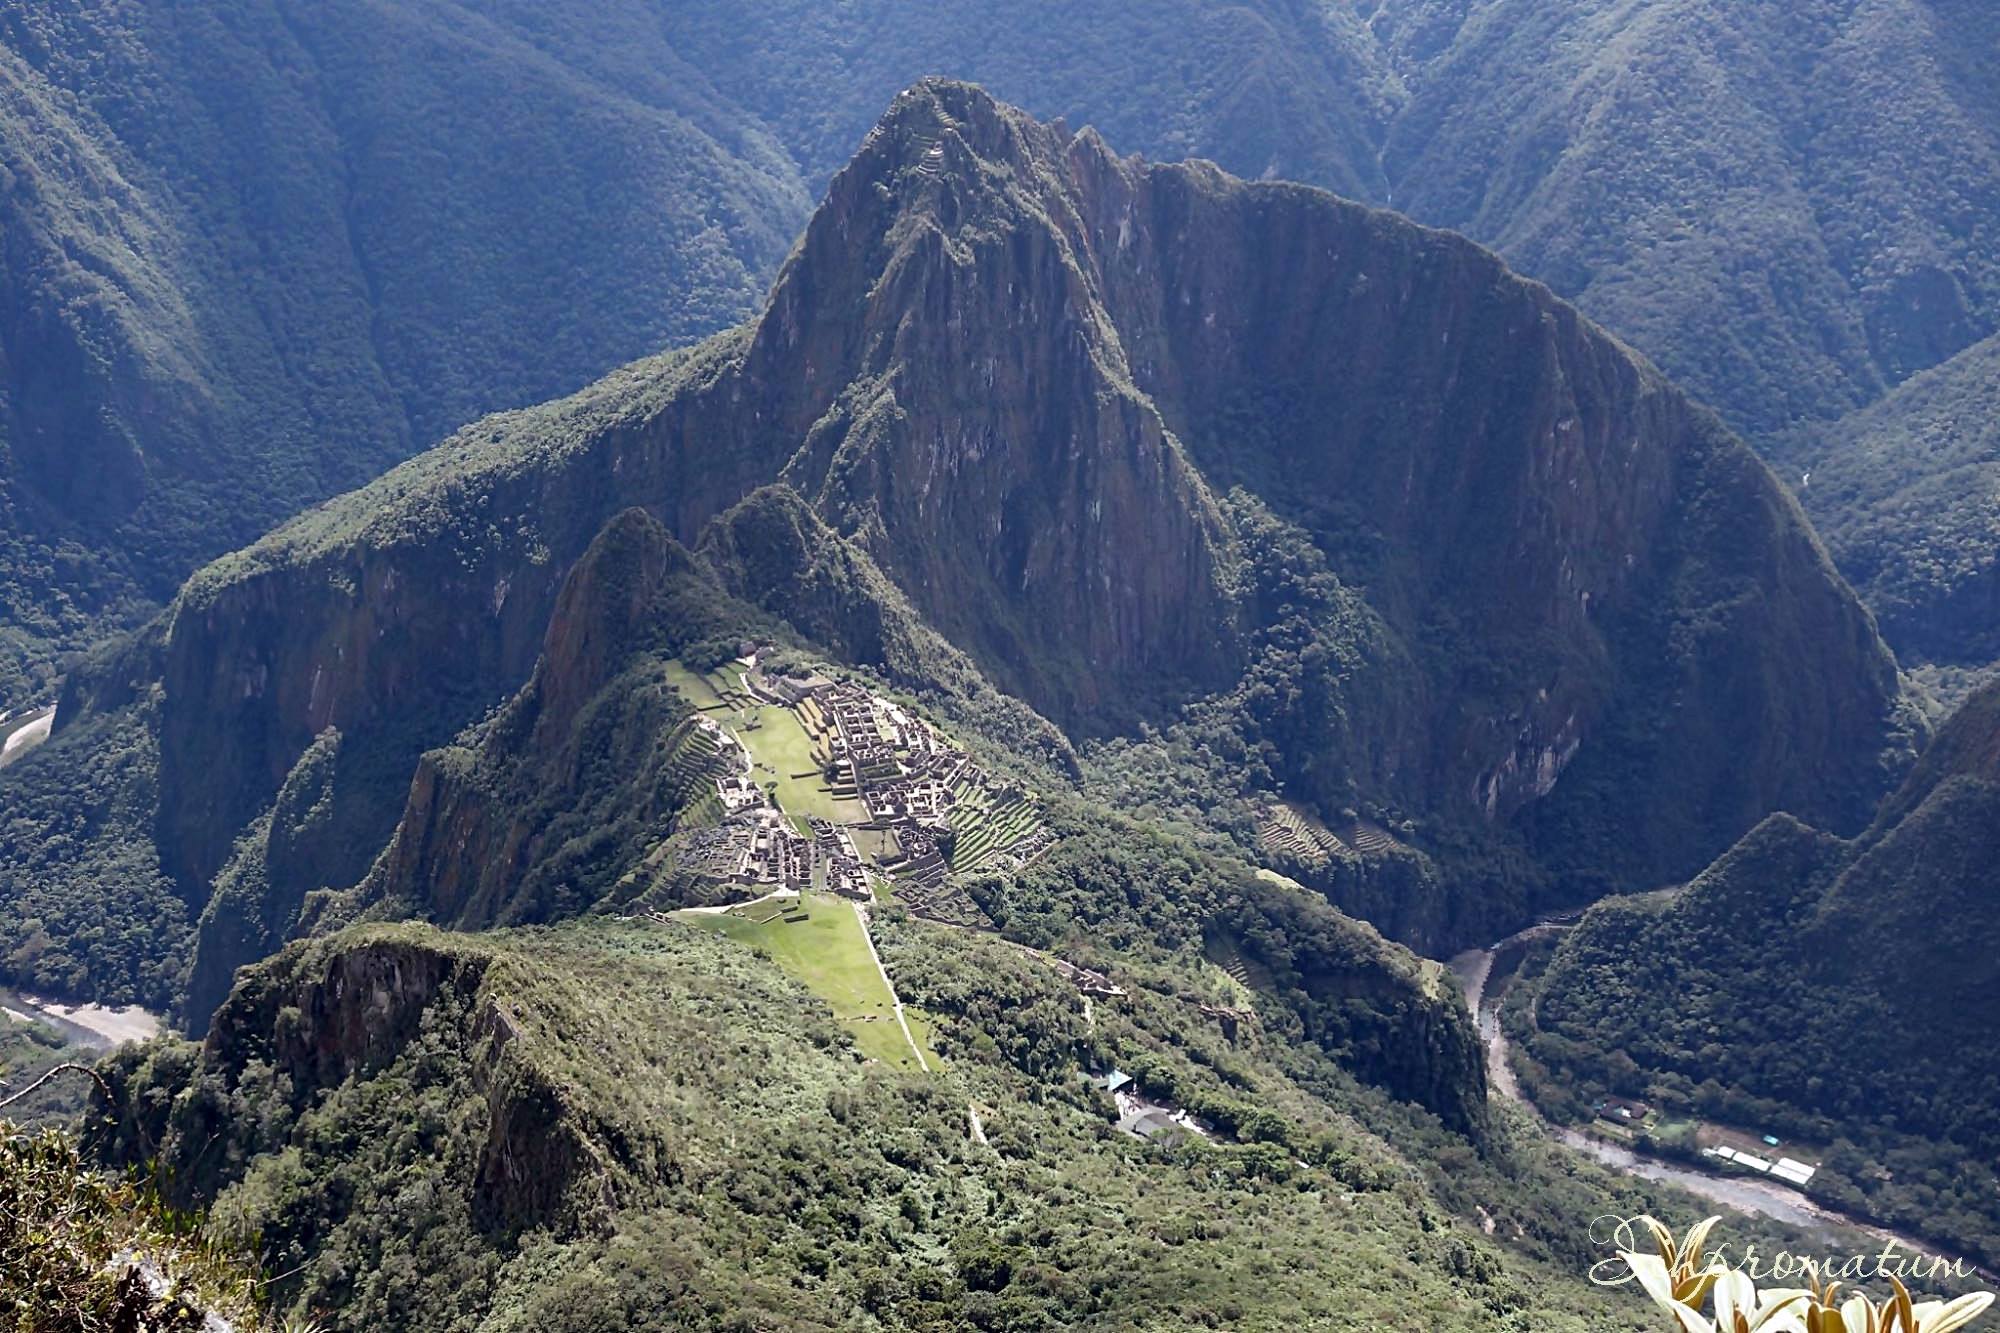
point(614, 1124)
point(1371, 673)
point(783, 751)
point(224, 315)
point(1787, 209)
point(699, 1144)
point(819, 941)
point(1833, 993)
point(1781, 206)
point(87, 910)
point(29, 1050)
point(1327, 683)
point(81, 1250)
point(1904, 493)
point(638, 1125)
point(622, 1123)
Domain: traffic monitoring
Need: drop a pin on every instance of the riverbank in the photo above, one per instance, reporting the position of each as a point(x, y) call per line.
point(92, 1025)
point(1476, 969)
point(20, 733)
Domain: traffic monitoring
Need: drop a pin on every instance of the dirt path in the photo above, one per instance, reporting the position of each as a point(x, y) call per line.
point(719, 908)
point(861, 914)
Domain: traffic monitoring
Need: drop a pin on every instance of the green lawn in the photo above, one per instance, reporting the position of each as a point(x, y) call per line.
point(781, 746)
point(697, 689)
point(876, 844)
point(923, 1027)
point(727, 681)
point(828, 955)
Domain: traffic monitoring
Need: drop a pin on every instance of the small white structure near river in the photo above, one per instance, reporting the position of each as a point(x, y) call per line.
point(1785, 1168)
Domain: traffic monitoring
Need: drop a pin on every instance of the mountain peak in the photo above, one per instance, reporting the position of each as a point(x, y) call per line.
point(949, 152)
point(914, 130)
point(1137, 437)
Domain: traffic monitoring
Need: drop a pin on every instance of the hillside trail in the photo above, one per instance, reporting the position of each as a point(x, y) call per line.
point(861, 915)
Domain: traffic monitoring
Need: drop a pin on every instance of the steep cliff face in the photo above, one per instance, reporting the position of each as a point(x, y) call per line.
point(993, 453)
point(564, 802)
point(393, 1008)
point(401, 611)
point(291, 849)
point(1579, 558)
point(1050, 394)
point(584, 769)
point(774, 552)
point(1386, 1015)
point(567, 793)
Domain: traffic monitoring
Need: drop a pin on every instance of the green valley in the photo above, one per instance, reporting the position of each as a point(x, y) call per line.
point(221, 317)
point(939, 796)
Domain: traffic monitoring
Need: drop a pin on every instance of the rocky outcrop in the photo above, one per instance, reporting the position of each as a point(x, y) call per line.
point(582, 770)
point(285, 854)
point(1387, 1016)
point(994, 455)
point(603, 614)
point(344, 1011)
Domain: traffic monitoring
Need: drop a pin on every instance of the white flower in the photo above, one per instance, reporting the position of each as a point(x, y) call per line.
point(1741, 1308)
point(1658, 1280)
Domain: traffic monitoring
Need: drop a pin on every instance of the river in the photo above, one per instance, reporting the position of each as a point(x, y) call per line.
point(88, 1025)
point(22, 733)
point(1474, 968)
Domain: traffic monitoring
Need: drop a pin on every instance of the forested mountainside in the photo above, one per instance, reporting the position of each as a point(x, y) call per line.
point(642, 1124)
point(1791, 207)
point(1115, 438)
point(258, 250)
point(1907, 495)
point(1731, 1000)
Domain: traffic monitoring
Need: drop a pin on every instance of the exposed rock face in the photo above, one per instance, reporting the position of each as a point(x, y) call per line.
point(1018, 371)
point(287, 852)
point(328, 1013)
point(1387, 1017)
point(993, 453)
point(531, 822)
point(604, 609)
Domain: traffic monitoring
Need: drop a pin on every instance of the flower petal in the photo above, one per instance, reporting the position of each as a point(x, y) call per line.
point(1690, 1252)
point(1651, 1270)
point(1734, 1292)
point(1957, 1314)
